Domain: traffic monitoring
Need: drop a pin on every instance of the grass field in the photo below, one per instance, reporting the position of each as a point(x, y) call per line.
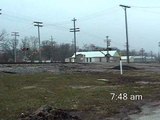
point(75, 91)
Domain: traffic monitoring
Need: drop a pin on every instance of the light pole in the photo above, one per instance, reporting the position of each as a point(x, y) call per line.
point(125, 10)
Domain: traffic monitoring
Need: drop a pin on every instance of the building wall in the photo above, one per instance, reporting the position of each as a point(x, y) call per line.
point(101, 59)
point(80, 58)
point(114, 59)
point(130, 60)
point(139, 59)
point(69, 60)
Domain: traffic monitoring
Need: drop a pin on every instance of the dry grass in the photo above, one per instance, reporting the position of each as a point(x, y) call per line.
point(21, 93)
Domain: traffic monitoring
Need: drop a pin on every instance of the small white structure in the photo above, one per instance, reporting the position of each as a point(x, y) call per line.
point(94, 56)
point(124, 58)
point(139, 59)
point(150, 59)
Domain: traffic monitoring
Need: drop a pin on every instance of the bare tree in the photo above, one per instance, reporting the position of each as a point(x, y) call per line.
point(3, 35)
point(32, 43)
point(8, 49)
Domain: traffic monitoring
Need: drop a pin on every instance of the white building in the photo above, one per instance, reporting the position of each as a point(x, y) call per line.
point(94, 56)
point(138, 59)
point(124, 58)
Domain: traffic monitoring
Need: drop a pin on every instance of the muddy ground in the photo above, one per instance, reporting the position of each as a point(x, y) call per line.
point(75, 67)
point(50, 113)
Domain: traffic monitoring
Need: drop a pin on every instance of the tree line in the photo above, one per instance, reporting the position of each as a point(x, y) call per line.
point(27, 49)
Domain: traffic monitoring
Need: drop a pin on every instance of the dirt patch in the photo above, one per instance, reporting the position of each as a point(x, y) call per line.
point(9, 72)
point(79, 87)
point(134, 79)
point(29, 87)
point(125, 67)
point(48, 113)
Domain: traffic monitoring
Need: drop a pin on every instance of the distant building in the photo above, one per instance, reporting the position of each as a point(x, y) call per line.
point(94, 57)
point(138, 59)
point(150, 59)
point(124, 58)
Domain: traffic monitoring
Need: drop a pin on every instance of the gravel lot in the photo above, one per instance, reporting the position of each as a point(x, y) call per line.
point(72, 67)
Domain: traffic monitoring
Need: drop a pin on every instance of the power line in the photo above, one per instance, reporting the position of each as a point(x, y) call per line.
point(57, 26)
point(99, 37)
point(153, 7)
point(98, 14)
point(17, 17)
point(154, 12)
point(29, 18)
point(91, 16)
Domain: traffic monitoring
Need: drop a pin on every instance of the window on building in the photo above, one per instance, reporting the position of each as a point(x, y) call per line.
point(90, 59)
point(100, 59)
point(87, 59)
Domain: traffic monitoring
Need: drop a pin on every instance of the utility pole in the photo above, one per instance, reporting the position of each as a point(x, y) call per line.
point(74, 30)
point(108, 43)
point(51, 38)
point(159, 52)
point(142, 53)
point(151, 56)
point(15, 34)
point(39, 24)
point(125, 10)
point(0, 11)
point(72, 44)
point(52, 49)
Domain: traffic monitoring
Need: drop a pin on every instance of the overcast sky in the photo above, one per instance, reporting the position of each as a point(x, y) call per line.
point(95, 18)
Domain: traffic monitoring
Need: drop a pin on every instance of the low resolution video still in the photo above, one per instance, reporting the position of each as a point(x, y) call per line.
point(79, 60)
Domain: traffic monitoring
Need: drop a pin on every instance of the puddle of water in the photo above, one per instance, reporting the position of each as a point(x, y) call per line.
point(29, 87)
point(146, 82)
point(79, 87)
point(148, 113)
point(104, 80)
